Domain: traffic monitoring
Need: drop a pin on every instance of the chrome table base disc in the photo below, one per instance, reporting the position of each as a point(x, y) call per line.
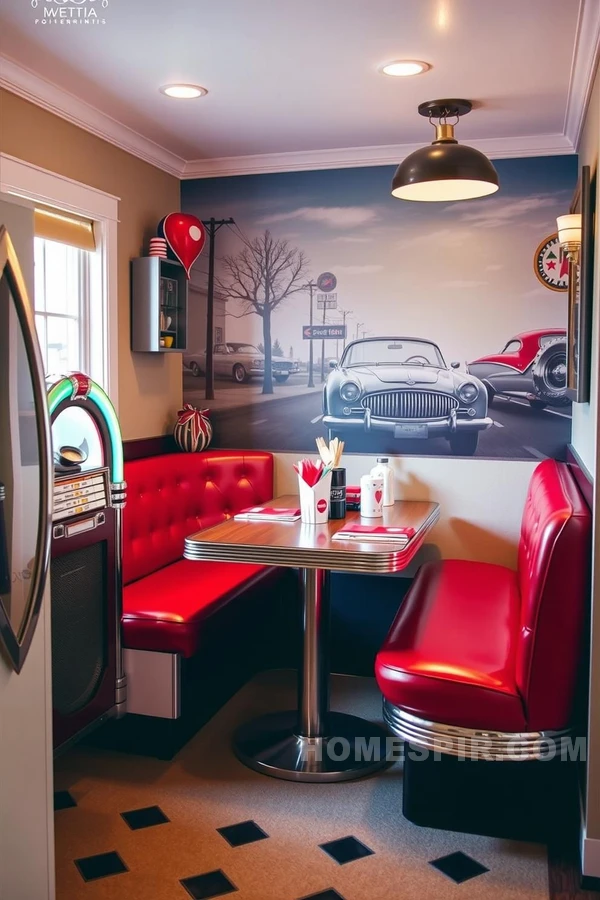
point(354, 747)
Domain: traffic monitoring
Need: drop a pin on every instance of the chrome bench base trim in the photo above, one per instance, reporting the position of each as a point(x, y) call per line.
point(475, 744)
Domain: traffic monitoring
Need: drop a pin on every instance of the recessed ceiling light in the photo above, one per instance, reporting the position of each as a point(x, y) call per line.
point(183, 91)
point(404, 67)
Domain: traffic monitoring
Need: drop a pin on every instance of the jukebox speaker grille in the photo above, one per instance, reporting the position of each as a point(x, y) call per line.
point(79, 640)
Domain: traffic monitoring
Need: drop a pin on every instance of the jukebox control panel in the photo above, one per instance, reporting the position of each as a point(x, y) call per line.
point(75, 497)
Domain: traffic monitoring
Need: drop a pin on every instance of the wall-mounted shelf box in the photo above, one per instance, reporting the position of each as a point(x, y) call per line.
point(159, 305)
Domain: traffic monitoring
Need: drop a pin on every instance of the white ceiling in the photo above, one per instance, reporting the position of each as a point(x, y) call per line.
point(301, 78)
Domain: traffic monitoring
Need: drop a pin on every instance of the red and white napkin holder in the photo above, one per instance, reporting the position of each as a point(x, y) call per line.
point(314, 501)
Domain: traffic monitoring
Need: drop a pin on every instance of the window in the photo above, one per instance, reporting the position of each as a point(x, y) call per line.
point(62, 305)
point(512, 347)
point(380, 352)
point(68, 307)
point(88, 219)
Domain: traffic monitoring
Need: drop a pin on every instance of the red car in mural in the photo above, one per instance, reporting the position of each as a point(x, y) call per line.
point(531, 365)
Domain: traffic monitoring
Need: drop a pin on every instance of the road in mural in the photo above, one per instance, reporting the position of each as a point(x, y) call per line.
point(406, 328)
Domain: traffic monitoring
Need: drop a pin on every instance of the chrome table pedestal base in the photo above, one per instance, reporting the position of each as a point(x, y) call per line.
point(272, 745)
point(311, 743)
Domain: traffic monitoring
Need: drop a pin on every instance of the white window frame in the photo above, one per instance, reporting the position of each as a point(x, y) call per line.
point(43, 186)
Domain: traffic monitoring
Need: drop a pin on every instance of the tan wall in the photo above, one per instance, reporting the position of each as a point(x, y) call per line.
point(149, 383)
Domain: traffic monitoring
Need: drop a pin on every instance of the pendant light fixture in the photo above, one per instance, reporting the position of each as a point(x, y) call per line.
point(446, 170)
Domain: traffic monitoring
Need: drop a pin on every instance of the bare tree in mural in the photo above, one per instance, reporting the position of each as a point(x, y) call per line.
point(261, 276)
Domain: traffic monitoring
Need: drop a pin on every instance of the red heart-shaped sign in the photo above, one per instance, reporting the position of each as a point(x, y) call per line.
point(378, 496)
point(185, 235)
point(321, 505)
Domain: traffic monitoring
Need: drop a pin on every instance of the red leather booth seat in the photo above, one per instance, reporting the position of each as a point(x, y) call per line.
point(166, 598)
point(484, 647)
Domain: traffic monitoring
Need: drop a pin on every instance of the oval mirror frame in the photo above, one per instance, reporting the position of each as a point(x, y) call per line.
point(16, 644)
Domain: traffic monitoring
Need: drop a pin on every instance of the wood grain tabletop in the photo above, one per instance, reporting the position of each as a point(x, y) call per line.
point(297, 544)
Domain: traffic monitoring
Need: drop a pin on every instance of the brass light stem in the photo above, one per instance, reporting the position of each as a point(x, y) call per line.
point(444, 132)
point(571, 251)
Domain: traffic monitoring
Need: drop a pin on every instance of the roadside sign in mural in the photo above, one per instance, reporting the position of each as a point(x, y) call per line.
point(326, 301)
point(326, 282)
point(323, 332)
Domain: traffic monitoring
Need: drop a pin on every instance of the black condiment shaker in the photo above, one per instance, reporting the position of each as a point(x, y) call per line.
point(337, 499)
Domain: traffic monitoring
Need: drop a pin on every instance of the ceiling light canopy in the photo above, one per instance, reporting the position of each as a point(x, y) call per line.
point(402, 68)
point(446, 170)
point(183, 91)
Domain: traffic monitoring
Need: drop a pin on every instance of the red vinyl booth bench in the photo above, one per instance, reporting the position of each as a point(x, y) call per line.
point(482, 661)
point(168, 601)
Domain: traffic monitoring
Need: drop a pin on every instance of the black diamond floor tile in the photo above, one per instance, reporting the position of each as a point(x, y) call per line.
point(100, 866)
point(63, 800)
point(346, 850)
point(459, 867)
point(330, 894)
point(242, 833)
point(144, 818)
point(208, 885)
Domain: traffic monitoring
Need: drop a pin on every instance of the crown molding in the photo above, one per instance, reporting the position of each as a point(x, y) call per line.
point(586, 54)
point(25, 83)
point(356, 157)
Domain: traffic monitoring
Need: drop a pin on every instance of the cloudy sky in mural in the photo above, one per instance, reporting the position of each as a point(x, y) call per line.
point(460, 274)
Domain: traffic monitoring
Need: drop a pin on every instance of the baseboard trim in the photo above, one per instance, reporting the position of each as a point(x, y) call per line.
point(590, 858)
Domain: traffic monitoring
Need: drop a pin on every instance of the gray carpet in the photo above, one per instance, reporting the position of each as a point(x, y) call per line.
point(205, 788)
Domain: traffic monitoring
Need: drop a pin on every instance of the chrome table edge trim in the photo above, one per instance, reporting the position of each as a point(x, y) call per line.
point(370, 562)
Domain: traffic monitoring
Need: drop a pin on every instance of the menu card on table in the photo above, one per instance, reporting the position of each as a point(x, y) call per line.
point(268, 513)
point(395, 534)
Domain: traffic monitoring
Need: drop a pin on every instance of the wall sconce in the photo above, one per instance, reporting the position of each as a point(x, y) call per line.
point(569, 235)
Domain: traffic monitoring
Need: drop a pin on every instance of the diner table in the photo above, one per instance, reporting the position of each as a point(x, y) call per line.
point(313, 743)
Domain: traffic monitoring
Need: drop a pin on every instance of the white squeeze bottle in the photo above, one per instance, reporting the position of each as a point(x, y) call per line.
point(383, 470)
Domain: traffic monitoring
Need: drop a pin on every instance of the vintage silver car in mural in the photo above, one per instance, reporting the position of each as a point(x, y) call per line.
point(402, 386)
point(241, 362)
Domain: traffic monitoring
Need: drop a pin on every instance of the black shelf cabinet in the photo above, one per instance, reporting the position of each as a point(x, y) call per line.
point(159, 305)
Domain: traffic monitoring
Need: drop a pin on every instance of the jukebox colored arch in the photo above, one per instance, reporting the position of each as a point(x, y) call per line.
point(77, 385)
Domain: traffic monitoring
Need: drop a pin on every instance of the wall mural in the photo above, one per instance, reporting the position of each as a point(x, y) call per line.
point(406, 328)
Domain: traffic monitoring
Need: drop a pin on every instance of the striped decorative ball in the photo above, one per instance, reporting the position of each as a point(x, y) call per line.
point(193, 431)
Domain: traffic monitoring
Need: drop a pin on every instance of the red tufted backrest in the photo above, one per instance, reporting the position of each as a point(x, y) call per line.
point(170, 497)
point(553, 567)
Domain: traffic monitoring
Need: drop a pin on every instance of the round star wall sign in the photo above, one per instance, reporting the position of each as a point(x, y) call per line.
point(551, 265)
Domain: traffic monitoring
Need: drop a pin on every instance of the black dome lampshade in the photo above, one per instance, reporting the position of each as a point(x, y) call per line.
point(446, 170)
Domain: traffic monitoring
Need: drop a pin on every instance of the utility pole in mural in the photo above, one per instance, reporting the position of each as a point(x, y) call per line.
point(344, 313)
point(310, 286)
point(212, 226)
point(261, 276)
point(326, 282)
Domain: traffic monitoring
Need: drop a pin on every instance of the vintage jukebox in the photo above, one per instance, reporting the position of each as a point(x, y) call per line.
point(88, 681)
